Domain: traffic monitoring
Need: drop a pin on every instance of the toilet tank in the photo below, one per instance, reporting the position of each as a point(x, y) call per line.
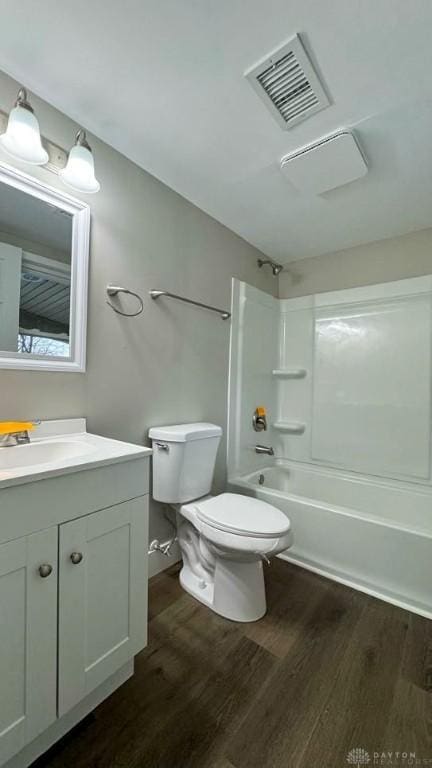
point(184, 457)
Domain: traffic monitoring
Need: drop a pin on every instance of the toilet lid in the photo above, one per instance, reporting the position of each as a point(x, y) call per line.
point(243, 515)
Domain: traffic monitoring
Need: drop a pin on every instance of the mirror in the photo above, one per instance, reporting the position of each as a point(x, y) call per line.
point(43, 275)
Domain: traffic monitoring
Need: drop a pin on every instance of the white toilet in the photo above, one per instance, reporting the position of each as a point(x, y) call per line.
point(223, 539)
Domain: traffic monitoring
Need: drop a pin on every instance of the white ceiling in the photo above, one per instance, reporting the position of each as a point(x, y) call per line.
point(163, 83)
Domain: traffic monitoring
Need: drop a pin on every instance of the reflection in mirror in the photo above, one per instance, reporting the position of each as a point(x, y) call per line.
point(35, 275)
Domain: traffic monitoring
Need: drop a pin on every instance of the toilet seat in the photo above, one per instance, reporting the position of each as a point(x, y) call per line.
point(240, 515)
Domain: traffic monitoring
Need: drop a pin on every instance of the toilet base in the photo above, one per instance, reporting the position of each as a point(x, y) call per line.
point(236, 589)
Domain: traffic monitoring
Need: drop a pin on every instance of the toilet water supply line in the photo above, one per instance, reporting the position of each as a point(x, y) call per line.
point(164, 547)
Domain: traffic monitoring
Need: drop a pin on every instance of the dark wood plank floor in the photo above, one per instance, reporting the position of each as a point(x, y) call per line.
point(327, 670)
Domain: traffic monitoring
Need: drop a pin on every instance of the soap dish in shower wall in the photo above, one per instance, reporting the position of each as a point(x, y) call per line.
point(291, 427)
point(289, 373)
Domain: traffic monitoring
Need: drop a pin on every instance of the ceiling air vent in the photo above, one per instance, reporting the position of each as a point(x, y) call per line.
point(288, 84)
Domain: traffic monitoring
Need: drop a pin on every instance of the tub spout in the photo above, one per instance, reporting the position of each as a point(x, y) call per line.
point(264, 449)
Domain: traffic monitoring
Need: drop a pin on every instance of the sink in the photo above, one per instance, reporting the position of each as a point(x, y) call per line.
point(60, 447)
point(35, 454)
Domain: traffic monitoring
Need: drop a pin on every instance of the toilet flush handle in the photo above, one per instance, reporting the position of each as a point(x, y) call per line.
point(162, 447)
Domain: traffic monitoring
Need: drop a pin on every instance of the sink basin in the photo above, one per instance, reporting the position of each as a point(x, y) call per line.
point(35, 454)
point(61, 446)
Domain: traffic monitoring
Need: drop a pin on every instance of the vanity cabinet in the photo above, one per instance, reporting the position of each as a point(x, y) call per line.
point(102, 600)
point(73, 601)
point(28, 639)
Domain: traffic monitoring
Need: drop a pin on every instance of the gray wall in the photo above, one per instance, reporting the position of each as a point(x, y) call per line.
point(171, 363)
point(379, 262)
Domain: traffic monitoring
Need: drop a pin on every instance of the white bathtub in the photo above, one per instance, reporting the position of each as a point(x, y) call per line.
point(373, 535)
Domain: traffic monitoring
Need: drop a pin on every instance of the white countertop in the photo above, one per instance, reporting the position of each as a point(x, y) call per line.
point(60, 447)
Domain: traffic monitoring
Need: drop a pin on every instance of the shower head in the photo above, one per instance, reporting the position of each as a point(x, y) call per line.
point(276, 268)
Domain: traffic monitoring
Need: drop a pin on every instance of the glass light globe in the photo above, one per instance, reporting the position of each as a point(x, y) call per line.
point(22, 138)
point(79, 172)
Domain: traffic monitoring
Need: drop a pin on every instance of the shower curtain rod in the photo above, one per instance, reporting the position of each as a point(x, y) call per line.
point(156, 294)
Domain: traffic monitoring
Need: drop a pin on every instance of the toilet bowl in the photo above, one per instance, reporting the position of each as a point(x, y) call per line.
point(225, 539)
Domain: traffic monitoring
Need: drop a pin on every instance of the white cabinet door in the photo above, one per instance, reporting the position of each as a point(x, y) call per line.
point(28, 639)
point(10, 286)
point(102, 597)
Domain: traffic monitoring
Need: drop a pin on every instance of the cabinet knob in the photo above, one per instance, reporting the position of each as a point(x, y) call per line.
point(76, 557)
point(45, 570)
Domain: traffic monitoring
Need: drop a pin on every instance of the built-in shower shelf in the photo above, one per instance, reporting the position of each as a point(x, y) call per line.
point(289, 373)
point(291, 427)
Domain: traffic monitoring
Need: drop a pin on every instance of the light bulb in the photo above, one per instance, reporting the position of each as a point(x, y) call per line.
point(79, 173)
point(22, 139)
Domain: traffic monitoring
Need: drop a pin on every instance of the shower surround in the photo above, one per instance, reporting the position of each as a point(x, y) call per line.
point(346, 380)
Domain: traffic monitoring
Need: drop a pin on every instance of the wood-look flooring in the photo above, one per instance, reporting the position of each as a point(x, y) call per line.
point(328, 669)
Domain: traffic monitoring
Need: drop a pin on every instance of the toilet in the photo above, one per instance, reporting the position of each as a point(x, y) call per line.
point(223, 539)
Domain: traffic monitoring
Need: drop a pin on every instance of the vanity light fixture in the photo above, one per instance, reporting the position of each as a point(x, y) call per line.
point(22, 139)
point(79, 172)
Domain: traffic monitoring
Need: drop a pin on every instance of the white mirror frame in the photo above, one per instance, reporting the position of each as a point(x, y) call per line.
point(76, 362)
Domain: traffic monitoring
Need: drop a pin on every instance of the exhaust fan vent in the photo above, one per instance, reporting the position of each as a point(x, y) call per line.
point(288, 84)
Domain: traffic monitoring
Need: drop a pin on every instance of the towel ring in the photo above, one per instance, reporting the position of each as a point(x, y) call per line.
point(114, 290)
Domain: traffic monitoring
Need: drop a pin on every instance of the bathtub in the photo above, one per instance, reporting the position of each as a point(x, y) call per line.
point(373, 535)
